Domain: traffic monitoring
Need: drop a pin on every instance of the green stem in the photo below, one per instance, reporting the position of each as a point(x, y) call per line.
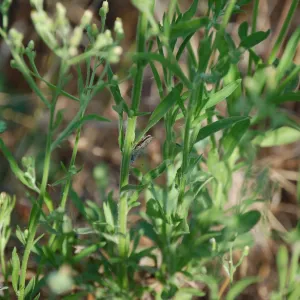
point(36, 210)
point(123, 202)
point(254, 21)
point(127, 150)
point(283, 31)
point(289, 78)
point(186, 144)
point(3, 264)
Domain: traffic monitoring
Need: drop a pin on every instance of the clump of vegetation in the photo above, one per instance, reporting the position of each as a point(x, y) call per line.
point(192, 231)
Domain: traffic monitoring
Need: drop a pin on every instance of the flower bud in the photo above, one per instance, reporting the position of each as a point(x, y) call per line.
point(86, 18)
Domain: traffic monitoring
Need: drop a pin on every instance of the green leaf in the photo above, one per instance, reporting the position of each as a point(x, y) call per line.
point(78, 202)
point(222, 94)
point(54, 88)
point(247, 221)
point(281, 136)
point(132, 187)
point(182, 47)
point(254, 39)
point(243, 30)
point(37, 297)
point(153, 174)
point(157, 79)
point(237, 288)
point(182, 29)
point(15, 270)
point(233, 137)
point(108, 214)
point(93, 117)
point(75, 124)
point(30, 286)
point(80, 85)
point(216, 126)
point(86, 252)
point(154, 210)
point(162, 108)
point(286, 97)
point(59, 118)
point(114, 89)
point(287, 58)
point(173, 65)
point(295, 294)
point(282, 260)
point(14, 166)
point(190, 12)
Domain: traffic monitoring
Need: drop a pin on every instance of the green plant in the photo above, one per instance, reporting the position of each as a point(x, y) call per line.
point(7, 204)
point(185, 218)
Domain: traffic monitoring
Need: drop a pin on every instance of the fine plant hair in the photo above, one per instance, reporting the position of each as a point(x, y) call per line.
point(193, 232)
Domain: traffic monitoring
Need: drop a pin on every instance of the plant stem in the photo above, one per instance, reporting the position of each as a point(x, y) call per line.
point(127, 150)
point(283, 32)
point(186, 144)
point(254, 21)
point(36, 210)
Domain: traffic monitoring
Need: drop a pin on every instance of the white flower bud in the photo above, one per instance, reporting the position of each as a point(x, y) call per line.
point(86, 18)
point(76, 37)
point(118, 28)
point(73, 51)
point(103, 40)
point(16, 37)
point(104, 9)
point(60, 10)
point(114, 54)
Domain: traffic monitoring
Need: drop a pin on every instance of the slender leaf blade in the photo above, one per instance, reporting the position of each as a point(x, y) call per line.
point(15, 270)
point(216, 126)
point(222, 94)
point(281, 136)
point(239, 287)
point(162, 108)
point(182, 29)
point(233, 137)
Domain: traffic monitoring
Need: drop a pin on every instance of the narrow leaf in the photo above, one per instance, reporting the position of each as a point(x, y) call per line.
point(14, 166)
point(173, 66)
point(85, 252)
point(222, 94)
point(286, 97)
point(153, 174)
point(281, 136)
point(233, 137)
point(190, 12)
point(114, 89)
point(287, 58)
point(282, 260)
point(162, 108)
point(75, 124)
point(182, 29)
point(15, 270)
point(236, 290)
point(30, 286)
point(216, 126)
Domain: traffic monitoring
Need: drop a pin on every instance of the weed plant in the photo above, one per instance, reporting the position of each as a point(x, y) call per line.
point(193, 231)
